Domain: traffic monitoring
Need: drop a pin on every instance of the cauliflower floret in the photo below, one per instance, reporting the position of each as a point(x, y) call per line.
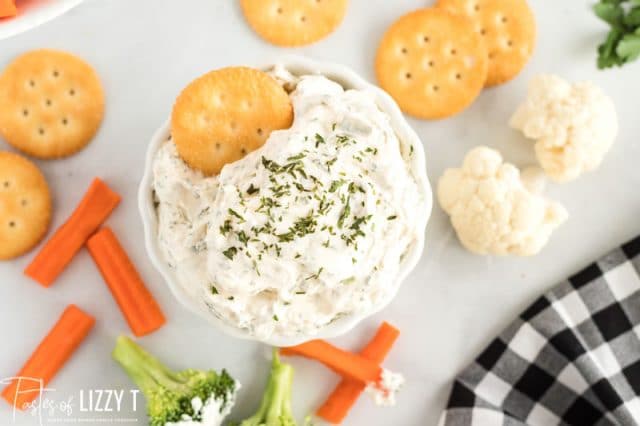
point(493, 211)
point(574, 125)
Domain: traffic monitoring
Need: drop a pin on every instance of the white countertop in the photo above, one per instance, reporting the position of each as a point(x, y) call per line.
point(451, 306)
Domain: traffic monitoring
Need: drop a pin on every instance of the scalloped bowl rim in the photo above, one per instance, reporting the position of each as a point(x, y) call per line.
point(35, 17)
point(349, 79)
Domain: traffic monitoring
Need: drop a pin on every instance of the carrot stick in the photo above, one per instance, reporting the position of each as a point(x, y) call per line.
point(8, 8)
point(96, 205)
point(344, 363)
point(345, 395)
point(49, 357)
point(136, 302)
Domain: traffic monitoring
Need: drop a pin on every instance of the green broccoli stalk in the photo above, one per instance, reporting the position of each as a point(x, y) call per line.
point(170, 394)
point(275, 409)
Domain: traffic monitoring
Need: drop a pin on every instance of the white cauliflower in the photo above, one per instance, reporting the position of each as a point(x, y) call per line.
point(493, 210)
point(574, 125)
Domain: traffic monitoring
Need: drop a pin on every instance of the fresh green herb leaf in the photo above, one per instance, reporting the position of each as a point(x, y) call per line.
point(632, 19)
point(622, 44)
point(611, 13)
point(629, 47)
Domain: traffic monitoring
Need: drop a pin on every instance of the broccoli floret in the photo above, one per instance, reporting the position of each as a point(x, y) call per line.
point(169, 394)
point(275, 409)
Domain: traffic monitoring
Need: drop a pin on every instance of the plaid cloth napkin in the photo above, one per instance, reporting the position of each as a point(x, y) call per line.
point(573, 357)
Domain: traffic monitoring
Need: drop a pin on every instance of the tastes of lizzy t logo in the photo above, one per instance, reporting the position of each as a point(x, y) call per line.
point(29, 395)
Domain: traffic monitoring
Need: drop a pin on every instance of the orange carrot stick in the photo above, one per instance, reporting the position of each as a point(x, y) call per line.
point(96, 205)
point(49, 357)
point(136, 302)
point(345, 395)
point(8, 8)
point(344, 363)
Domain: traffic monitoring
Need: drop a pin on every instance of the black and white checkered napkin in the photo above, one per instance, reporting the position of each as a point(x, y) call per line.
point(573, 357)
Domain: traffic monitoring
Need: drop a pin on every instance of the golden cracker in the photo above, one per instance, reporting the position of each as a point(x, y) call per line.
point(51, 103)
point(294, 22)
point(25, 205)
point(225, 114)
point(509, 31)
point(432, 63)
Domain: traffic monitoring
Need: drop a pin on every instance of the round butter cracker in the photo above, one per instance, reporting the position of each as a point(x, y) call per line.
point(293, 22)
point(508, 28)
point(51, 104)
point(225, 114)
point(432, 63)
point(25, 205)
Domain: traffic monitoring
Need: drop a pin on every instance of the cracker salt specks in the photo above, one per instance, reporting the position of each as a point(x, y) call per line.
point(508, 28)
point(293, 22)
point(432, 63)
point(51, 103)
point(225, 114)
point(25, 205)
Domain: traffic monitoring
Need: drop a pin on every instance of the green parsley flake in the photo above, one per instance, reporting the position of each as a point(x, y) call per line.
point(252, 190)
point(230, 252)
point(315, 276)
point(232, 212)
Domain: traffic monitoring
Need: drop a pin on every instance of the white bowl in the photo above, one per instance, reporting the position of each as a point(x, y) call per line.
point(35, 14)
point(348, 79)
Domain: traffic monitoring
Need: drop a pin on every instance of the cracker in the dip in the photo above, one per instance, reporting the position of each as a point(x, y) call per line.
point(294, 22)
point(25, 205)
point(51, 103)
point(225, 114)
point(509, 31)
point(432, 63)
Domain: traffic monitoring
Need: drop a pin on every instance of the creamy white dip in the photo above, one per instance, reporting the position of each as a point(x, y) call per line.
point(307, 229)
point(211, 412)
point(384, 392)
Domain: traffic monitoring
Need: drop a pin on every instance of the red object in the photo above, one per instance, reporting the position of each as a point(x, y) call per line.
point(49, 357)
point(136, 302)
point(96, 205)
point(8, 8)
point(337, 406)
point(345, 363)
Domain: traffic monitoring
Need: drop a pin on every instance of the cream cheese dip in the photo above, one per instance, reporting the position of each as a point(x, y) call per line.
point(309, 228)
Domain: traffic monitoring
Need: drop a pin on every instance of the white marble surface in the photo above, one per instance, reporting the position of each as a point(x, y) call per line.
point(452, 305)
